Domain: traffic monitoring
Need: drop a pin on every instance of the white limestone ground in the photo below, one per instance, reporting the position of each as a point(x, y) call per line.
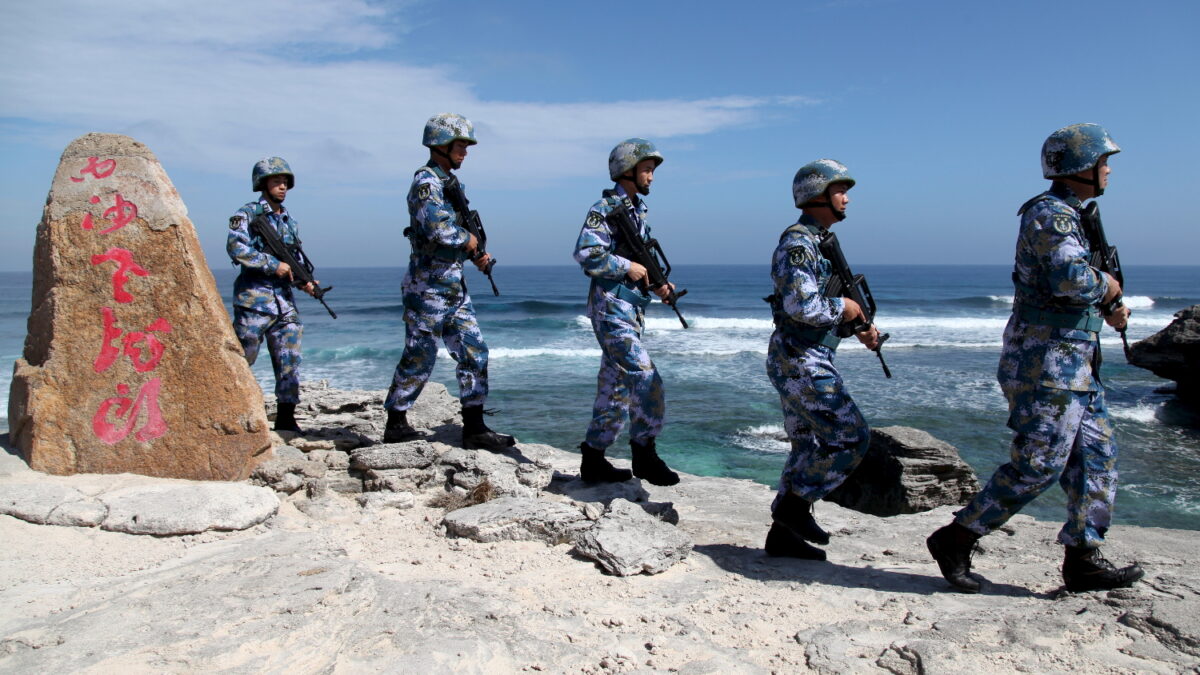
point(379, 587)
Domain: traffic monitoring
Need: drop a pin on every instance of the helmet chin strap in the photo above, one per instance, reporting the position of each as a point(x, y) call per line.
point(1093, 182)
point(839, 214)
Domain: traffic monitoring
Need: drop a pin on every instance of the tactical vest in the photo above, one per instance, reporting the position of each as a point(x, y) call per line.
point(812, 335)
point(1039, 307)
point(423, 246)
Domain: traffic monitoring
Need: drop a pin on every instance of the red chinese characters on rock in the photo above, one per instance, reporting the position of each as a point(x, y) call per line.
point(120, 214)
point(128, 411)
point(125, 266)
point(116, 417)
point(144, 359)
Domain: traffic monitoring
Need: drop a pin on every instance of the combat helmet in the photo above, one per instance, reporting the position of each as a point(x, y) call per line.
point(813, 181)
point(1077, 148)
point(271, 166)
point(628, 153)
point(445, 128)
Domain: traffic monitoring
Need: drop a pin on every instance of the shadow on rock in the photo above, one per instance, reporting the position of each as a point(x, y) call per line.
point(754, 563)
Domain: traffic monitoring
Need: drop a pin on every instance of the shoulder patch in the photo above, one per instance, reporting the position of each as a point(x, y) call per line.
point(423, 191)
point(1062, 223)
point(594, 220)
point(799, 256)
point(236, 220)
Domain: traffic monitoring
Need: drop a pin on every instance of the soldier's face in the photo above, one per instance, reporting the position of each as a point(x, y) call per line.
point(1104, 171)
point(277, 188)
point(458, 152)
point(839, 196)
point(643, 176)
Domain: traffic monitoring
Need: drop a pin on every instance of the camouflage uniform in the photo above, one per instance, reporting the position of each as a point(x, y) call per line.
point(628, 382)
point(263, 304)
point(436, 303)
point(1049, 372)
point(828, 434)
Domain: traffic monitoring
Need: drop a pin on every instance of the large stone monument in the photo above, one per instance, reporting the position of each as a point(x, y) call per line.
point(130, 363)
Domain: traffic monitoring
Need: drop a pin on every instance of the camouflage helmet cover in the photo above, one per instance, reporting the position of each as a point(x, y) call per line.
point(271, 166)
point(628, 153)
point(814, 178)
point(1075, 148)
point(445, 128)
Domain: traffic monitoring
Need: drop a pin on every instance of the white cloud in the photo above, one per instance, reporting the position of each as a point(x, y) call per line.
point(215, 85)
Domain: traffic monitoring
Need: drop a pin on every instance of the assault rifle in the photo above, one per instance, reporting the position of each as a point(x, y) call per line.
point(845, 283)
point(302, 273)
point(469, 221)
point(1104, 258)
point(645, 252)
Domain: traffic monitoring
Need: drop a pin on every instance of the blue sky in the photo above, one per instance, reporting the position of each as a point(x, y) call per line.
point(938, 108)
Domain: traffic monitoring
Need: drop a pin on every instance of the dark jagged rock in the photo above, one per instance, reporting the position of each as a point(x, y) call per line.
point(1173, 353)
point(906, 471)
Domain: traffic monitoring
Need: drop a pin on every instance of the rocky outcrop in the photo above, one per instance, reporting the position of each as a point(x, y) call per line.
point(130, 364)
point(1173, 353)
point(906, 470)
point(627, 540)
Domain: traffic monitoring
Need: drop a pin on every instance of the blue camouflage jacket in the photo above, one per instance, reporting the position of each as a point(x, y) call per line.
point(257, 287)
point(1052, 272)
point(595, 251)
point(800, 274)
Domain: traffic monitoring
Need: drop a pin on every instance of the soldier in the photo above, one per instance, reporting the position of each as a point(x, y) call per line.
point(436, 303)
point(828, 434)
point(628, 383)
point(263, 305)
point(1049, 372)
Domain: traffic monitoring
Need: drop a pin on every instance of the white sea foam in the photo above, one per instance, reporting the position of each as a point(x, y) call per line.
point(1002, 299)
point(1138, 301)
point(1143, 412)
point(763, 438)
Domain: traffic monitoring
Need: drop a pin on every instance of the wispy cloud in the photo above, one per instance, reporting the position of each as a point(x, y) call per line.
point(213, 84)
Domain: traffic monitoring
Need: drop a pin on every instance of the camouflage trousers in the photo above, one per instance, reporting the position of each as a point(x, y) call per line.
point(829, 435)
point(628, 384)
point(459, 330)
point(283, 342)
point(1060, 435)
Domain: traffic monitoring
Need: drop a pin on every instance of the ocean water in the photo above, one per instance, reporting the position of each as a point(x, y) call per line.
point(723, 416)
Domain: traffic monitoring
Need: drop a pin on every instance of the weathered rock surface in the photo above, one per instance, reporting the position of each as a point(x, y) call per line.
point(906, 470)
point(130, 364)
point(174, 509)
point(627, 540)
point(1173, 353)
point(518, 519)
point(507, 475)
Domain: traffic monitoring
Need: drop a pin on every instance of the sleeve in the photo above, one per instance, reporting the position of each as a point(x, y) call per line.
point(240, 250)
point(594, 248)
point(433, 215)
point(798, 284)
point(1059, 248)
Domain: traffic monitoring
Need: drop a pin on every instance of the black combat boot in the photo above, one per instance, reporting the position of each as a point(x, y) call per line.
point(648, 466)
point(797, 514)
point(1084, 569)
point(951, 547)
point(596, 469)
point(397, 429)
point(285, 418)
point(783, 543)
point(477, 435)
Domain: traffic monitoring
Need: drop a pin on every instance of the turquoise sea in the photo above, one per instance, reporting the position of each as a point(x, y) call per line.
point(723, 416)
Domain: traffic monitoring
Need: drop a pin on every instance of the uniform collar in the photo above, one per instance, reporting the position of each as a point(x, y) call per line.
point(810, 224)
point(282, 212)
point(1065, 193)
point(437, 169)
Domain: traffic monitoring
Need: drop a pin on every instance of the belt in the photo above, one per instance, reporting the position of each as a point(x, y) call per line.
point(1084, 319)
point(825, 337)
point(624, 292)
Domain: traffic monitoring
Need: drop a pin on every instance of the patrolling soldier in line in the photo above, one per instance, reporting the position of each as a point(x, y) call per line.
point(263, 304)
point(1049, 372)
point(628, 383)
point(828, 434)
point(436, 303)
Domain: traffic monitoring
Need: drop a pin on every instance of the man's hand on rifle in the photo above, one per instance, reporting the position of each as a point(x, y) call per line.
point(869, 337)
point(851, 311)
point(637, 272)
point(471, 245)
point(482, 261)
point(284, 271)
point(1118, 319)
point(1114, 290)
point(665, 290)
point(311, 287)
